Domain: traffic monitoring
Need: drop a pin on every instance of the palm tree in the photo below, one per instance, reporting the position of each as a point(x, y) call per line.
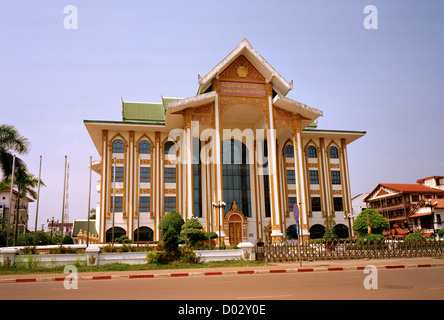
point(11, 141)
point(25, 183)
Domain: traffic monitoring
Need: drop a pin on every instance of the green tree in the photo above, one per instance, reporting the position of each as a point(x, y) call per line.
point(11, 141)
point(377, 222)
point(172, 219)
point(25, 183)
point(194, 232)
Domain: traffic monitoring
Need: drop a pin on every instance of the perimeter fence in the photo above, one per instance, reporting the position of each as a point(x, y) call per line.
point(314, 250)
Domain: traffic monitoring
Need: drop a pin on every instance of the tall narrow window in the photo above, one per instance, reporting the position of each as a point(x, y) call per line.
point(291, 202)
point(118, 146)
point(289, 151)
point(197, 179)
point(337, 202)
point(236, 176)
point(311, 151)
point(170, 175)
point(145, 173)
point(119, 174)
point(291, 177)
point(118, 202)
point(335, 177)
point(144, 204)
point(170, 203)
point(333, 152)
point(144, 147)
point(316, 204)
point(314, 176)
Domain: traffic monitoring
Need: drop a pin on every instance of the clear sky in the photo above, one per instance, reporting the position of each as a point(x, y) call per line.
point(387, 81)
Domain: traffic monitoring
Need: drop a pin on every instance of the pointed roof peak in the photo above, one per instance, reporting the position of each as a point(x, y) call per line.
point(245, 48)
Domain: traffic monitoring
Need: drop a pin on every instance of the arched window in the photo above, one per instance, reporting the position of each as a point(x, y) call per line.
point(311, 150)
point(170, 148)
point(289, 151)
point(118, 146)
point(145, 234)
point(236, 176)
point(144, 147)
point(334, 152)
point(118, 232)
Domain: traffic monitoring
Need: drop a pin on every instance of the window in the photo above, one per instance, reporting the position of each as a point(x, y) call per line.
point(236, 176)
point(145, 173)
point(312, 152)
point(291, 177)
point(144, 204)
point(316, 204)
point(119, 174)
point(289, 151)
point(314, 176)
point(170, 148)
point(197, 179)
point(334, 153)
point(144, 147)
point(291, 202)
point(170, 175)
point(337, 203)
point(335, 177)
point(119, 204)
point(118, 146)
point(170, 203)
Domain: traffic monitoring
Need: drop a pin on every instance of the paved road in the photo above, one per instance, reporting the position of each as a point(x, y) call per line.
point(417, 283)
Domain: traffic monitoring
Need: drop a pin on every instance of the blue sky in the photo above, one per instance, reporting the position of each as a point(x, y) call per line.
point(388, 82)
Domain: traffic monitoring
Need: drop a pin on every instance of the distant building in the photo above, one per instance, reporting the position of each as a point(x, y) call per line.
point(436, 182)
point(428, 216)
point(358, 204)
point(7, 214)
point(397, 201)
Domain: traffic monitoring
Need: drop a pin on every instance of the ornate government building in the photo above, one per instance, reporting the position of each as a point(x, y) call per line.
point(240, 141)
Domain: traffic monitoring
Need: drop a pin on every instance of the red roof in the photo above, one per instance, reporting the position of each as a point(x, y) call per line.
point(402, 187)
point(439, 205)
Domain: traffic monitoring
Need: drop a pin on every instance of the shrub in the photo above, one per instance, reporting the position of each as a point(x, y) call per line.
point(158, 257)
point(124, 239)
point(172, 219)
point(194, 232)
point(374, 238)
point(441, 233)
point(415, 237)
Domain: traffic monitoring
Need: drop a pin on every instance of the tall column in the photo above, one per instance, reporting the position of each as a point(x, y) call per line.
point(276, 223)
point(217, 161)
point(130, 186)
point(157, 185)
point(103, 188)
point(189, 168)
point(300, 177)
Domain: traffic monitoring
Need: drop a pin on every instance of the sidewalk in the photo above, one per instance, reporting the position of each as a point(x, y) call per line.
point(290, 267)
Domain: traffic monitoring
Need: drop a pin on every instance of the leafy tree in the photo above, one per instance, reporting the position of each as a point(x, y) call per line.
point(194, 232)
point(172, 219)
point(377, 222)
point(11, 141)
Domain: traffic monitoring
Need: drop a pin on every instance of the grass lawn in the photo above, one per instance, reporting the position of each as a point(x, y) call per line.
point(128, 267)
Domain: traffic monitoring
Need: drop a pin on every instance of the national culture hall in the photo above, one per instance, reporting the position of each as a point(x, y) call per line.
point(240, 141)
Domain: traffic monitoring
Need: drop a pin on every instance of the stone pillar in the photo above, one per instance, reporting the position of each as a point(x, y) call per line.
point(8, 256)
point(92, 255)
point(247, 250)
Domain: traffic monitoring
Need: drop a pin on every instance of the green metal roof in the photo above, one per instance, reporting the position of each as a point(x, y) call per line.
point(139, 111)
point(83, 225)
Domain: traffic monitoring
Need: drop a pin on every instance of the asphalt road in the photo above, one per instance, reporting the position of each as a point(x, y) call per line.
point(400, 284)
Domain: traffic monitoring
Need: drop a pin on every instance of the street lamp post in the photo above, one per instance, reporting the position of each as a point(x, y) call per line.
point(220, 205)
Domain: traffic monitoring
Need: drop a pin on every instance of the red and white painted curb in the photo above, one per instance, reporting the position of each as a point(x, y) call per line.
point(212, 273)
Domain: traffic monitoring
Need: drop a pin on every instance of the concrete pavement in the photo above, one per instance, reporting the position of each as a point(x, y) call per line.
point(288, 267)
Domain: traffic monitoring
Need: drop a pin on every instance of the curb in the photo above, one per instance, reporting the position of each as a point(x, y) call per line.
point(215, 273)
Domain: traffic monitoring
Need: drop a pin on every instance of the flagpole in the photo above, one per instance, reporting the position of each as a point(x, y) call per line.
point(89, 201)
point(63, 208)
point(10, 200)
point(37, 205)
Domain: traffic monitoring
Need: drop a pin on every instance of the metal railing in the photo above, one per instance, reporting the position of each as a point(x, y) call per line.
point(347, 250)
